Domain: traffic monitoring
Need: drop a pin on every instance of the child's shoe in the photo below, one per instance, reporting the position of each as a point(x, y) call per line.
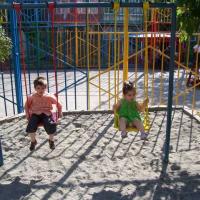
point(123, 134)
point(32, 146)
point(51, 145)
point(144, 136)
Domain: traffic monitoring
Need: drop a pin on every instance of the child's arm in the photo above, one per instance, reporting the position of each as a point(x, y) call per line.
point(27, 107)
point(58, 104)
point(141, 107)
point(116, 106)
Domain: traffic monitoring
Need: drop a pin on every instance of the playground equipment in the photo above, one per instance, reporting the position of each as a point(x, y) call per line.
point(91, 37)
point(125, 66)
point(94, 57)
point(51, 9)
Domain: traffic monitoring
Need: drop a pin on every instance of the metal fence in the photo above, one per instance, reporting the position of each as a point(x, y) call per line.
point(86, 61)
point(90, 56)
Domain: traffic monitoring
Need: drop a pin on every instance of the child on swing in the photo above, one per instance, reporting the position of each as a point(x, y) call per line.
point(128, 110)
point(38, 109)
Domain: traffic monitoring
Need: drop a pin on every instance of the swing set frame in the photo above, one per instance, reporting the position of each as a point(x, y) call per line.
point(125, 5)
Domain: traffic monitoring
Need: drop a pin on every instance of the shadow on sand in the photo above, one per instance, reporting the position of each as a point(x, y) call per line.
point(166, 187)
point(15, 190)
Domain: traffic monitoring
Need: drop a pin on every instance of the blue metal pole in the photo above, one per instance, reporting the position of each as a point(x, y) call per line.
point(171, 79)
point(4, 94)
point(1, 155)
point(12, 90)
point(16, 60)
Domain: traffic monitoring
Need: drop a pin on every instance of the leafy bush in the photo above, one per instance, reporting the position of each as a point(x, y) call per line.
point(5, 45)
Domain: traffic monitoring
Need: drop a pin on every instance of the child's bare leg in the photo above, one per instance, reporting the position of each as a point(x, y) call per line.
point(32, 136)
point(33, 141)
point(51, 137)
point(122, 126)
point(138, 124)
point(140, 127)
point(51, 141)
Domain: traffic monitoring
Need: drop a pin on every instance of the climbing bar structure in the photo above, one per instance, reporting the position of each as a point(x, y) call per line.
point(86, 50)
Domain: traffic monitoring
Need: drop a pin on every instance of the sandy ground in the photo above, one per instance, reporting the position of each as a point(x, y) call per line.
point(92, 162)
point(158, 90)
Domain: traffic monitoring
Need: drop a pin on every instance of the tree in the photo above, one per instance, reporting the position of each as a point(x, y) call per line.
point(188, 17)
point(5, 45)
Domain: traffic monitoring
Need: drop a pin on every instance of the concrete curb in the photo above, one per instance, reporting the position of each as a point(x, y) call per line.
point(185, 109)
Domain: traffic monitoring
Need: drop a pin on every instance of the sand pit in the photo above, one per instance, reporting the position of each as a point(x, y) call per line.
point(92, 162)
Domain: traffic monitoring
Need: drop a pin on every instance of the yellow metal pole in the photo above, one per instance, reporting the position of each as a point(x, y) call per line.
point(136, 61)
point(145, 10)
point(162, 66)
point(80, 50)
point(71, 47)
point(118, 66)
point(84, 58)
point(126, 44)
point(115, 49)
point(179, 60)
point(187, 65)
point(153, 71)
point(91, 50)
point(111, 67)
point(88, 58)
point(109, 70)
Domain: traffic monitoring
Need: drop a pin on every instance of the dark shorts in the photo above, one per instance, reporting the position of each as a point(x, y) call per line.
point(46, 121)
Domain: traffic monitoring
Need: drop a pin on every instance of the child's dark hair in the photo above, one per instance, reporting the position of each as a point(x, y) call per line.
point(40, 81)
point(128, 86)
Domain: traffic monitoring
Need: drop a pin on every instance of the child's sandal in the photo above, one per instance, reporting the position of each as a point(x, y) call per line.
point(32, 146)
point(144, 136)
point(123, 134)
point(51, 145)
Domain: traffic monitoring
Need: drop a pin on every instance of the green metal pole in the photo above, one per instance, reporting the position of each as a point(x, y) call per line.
point(1, 155)
point(171, 80)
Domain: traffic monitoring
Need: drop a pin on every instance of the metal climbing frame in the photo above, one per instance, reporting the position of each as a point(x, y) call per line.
point(92, 55)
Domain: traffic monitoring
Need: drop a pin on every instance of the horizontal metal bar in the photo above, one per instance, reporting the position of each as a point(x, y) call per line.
point(151, 5)
point(65, 88)
point(87, 5)
point(7, 99)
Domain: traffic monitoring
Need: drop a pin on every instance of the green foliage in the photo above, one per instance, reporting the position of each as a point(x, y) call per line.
point(188, 17)
point(5, 45)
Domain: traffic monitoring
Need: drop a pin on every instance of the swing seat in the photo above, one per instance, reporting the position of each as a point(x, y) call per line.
point(128, 129)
